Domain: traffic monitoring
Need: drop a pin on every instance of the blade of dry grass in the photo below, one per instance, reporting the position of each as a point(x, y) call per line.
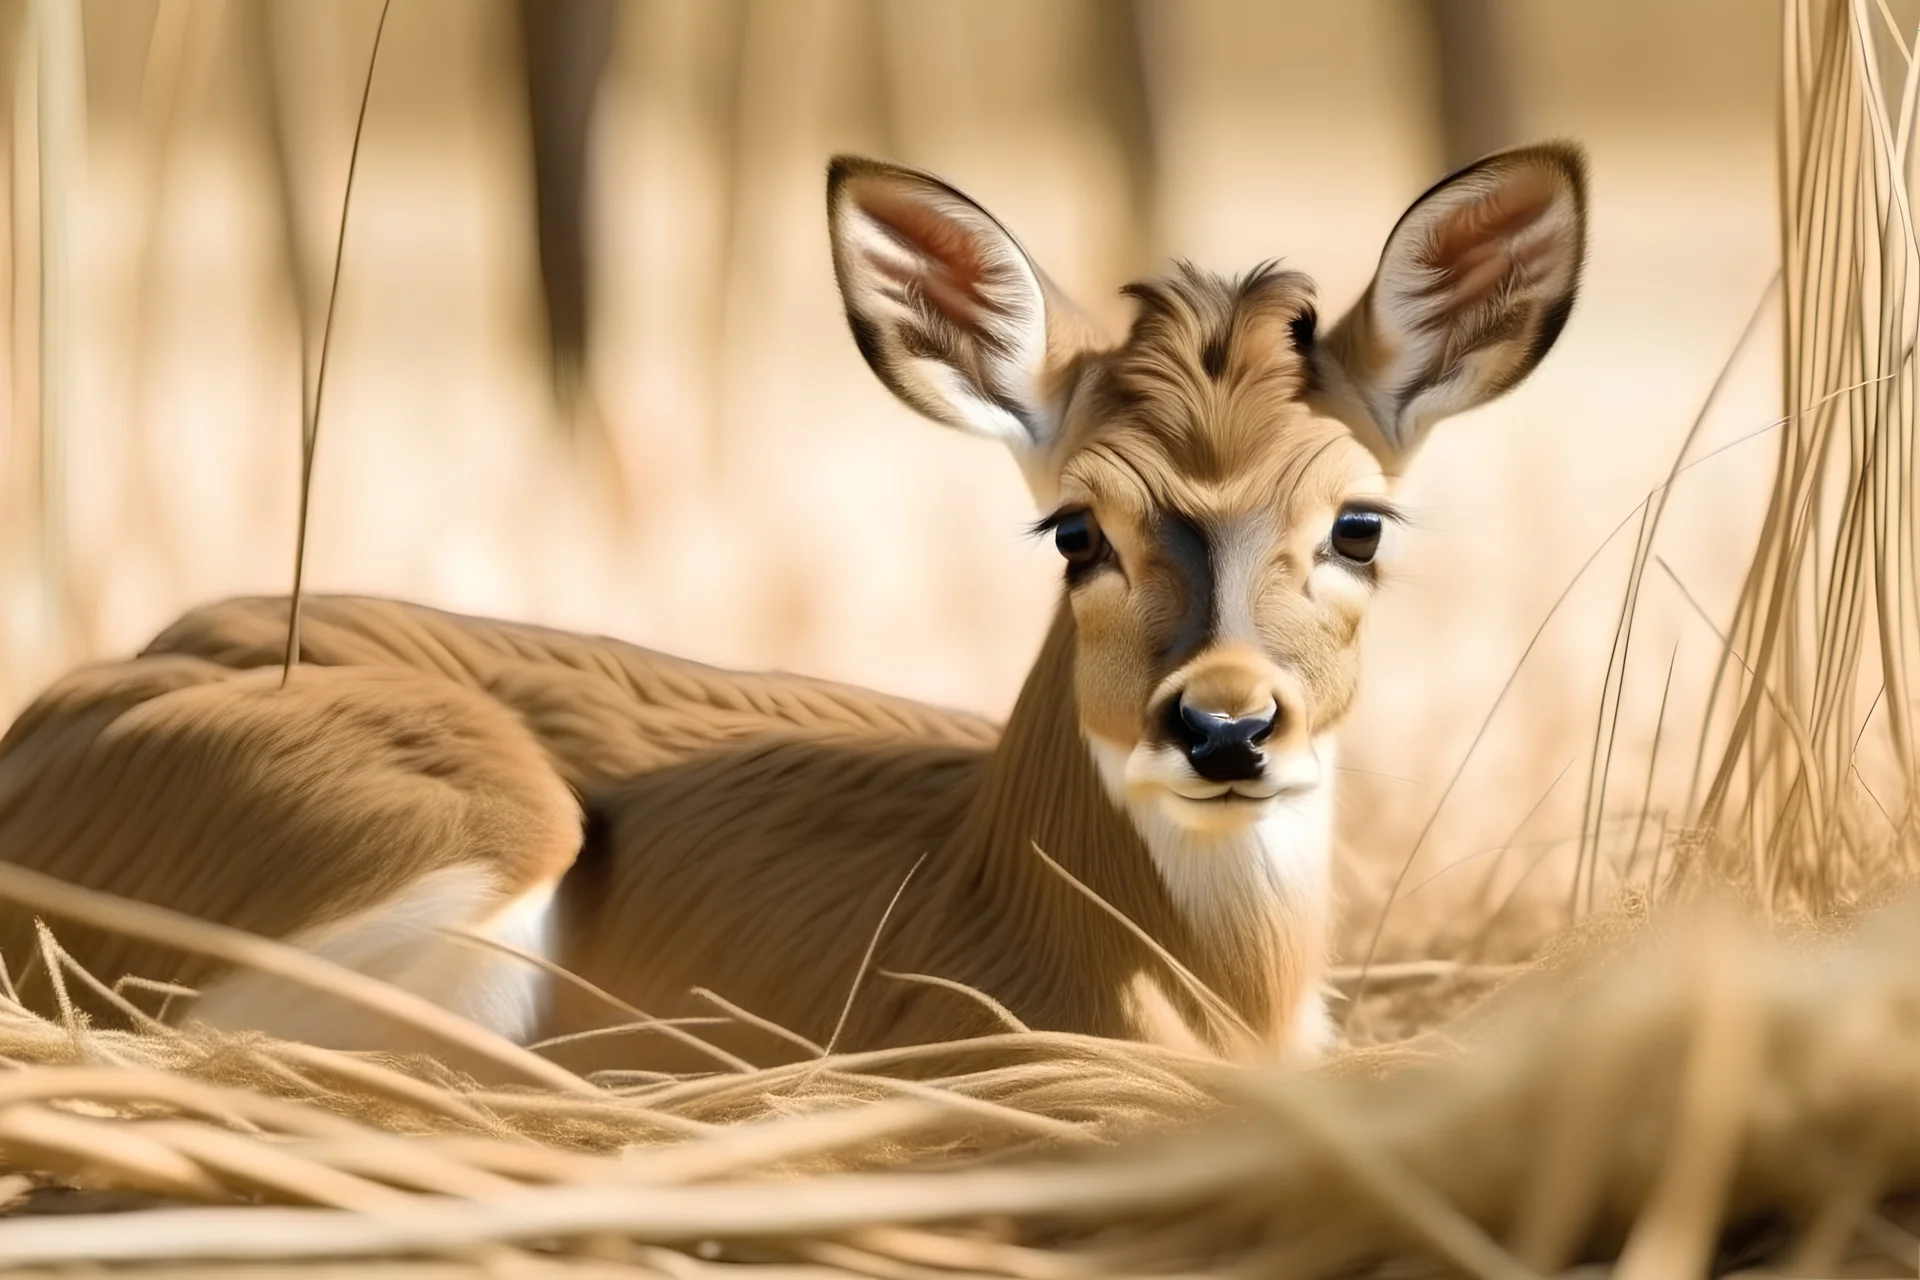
point(234, 946)
point(822, 1206)
point(310, 428)
point(1230, 1023)
point(108, 1148)
point(1613, 687)
point(1003, 1015)
point(641, 1018)
point(866, 958)
point(1830, 584)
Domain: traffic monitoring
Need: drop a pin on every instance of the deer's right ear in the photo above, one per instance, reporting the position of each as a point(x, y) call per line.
point(945, 305)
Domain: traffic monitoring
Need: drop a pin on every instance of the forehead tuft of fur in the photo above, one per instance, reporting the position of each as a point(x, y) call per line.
point(1213, 365)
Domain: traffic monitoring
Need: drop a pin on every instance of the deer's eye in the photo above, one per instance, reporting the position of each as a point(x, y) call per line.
point(1077, 537)
point(1356, 536)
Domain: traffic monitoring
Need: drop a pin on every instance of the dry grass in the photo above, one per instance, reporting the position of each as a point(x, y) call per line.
point(1667, 1089)
point(1665, 1092)
point(1830, 615)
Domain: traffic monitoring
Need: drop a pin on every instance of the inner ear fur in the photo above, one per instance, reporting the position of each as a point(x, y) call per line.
point(946, 306)
point(1476, 282)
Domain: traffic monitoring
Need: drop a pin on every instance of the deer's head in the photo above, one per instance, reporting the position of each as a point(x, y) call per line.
point(1218, 483)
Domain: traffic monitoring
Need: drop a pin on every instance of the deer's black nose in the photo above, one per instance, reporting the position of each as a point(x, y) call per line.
point(1223, 748)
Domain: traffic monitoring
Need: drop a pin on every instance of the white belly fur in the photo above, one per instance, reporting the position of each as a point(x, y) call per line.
point(400, 942)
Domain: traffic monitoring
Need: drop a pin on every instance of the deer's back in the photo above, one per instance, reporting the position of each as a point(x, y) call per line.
point(605, 709)
point(411, 740)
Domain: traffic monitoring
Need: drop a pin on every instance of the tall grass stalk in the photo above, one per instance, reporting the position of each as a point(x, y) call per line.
point(1830, 594)
point(310, 405)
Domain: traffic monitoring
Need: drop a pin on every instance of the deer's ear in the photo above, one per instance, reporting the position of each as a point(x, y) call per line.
point(946, 306)
point(1475, 284)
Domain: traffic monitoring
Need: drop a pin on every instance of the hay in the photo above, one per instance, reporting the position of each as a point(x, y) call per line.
point(1658, 1094)
point(1830, 609)
point(1662, 1092)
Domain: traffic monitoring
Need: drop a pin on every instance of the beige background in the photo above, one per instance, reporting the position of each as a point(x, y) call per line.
point(791, 514)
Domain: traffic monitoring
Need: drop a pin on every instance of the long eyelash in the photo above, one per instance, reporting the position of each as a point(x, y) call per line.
point(1386, 510)
point(1048, 523)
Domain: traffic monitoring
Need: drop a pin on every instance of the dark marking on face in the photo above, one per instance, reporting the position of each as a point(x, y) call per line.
point(1187, 549)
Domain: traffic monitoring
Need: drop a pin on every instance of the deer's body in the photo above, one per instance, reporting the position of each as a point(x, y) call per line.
point(738, 819)
point(1141, 851)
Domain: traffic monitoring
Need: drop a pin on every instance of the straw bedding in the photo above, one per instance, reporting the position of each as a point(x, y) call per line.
point(1663, 1091)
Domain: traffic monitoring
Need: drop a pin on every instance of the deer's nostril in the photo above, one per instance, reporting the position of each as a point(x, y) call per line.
point(1196, 728)
point(1221, 748)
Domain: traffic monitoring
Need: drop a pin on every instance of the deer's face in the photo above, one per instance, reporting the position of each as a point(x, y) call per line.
point(1221, 541)
point(1218, 483)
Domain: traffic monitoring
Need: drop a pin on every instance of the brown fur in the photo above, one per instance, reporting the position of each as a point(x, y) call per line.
point(727, 859)
point(214, 792)
point(603, 709)
point(755, 835)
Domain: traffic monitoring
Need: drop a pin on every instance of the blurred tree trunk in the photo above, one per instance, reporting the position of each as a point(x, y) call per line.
point(180, 50)
point(777, 60)
point(1472, 80)
point(17, 390)
point(720, 89)
point(879, 79)
point(1119, 77)
point(266, 43)
point(565, 44)
point(13, 29)
point(60, 119)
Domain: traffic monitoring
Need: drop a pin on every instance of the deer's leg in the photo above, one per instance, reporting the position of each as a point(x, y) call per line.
point(430, 938)
point(361, 812)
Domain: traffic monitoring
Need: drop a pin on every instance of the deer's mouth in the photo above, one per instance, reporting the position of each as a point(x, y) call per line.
point(1231, 793)
point(1199, 802)
point(1220, 810)
point(1284, 780)
point(1213, 804)
point(1158, 786)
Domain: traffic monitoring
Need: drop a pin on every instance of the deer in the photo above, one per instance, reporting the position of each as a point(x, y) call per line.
point(1142, 850)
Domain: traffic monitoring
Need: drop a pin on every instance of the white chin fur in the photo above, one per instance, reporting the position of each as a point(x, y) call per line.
point(1158, 777)
point(1222, 859)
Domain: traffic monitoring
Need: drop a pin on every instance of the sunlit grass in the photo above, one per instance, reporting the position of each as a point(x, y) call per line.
point(1659, 1088)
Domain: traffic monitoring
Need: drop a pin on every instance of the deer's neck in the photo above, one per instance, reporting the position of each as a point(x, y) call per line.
point(1246, 912)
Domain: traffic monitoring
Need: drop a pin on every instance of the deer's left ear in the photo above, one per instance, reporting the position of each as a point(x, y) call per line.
point(1476, 282)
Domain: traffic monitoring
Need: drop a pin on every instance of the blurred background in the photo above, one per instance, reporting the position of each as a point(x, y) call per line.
point(588, 367)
